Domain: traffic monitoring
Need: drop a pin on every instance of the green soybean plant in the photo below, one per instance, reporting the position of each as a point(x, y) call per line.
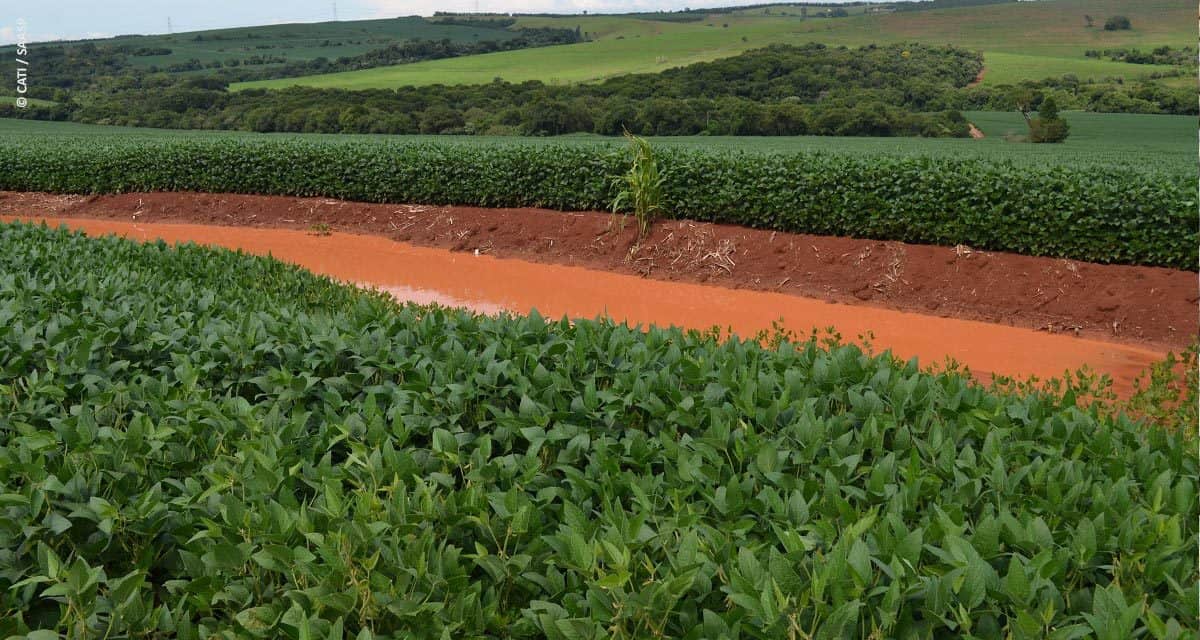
point(1097, 212)
point(199, 443)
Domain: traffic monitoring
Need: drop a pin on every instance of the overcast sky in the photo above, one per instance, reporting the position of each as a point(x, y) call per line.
point(75, 19)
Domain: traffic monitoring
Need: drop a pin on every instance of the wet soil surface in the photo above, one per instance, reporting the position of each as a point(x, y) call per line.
point(1116, 303)
point(492, 285)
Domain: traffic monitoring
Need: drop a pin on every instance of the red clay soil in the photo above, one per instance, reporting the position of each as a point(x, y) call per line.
point(490, 285)
point(978, 78)
point(1138, 305)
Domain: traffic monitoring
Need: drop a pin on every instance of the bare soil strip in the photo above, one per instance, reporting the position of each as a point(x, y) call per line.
point(1147, 306)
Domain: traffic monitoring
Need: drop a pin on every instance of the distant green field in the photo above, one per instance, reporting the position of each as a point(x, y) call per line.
point(1011, 68)
point(1029, 40)
point(621, 45)
point(1166, 142)
point(297, 42)
point(1148, 141)
point(32, 101)
point(793, 10)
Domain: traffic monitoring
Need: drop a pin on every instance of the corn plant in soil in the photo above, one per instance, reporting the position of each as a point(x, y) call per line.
point(196, 443)
point(640, 188)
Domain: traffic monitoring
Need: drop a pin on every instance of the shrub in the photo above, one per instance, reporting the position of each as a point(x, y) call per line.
point(1117, 23)
point(1042, 130)
point(1048, 126)
point(1048, 109)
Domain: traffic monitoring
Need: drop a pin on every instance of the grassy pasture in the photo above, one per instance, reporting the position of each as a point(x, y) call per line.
point(1020, 41)
point(792, 10)
point(1010, 68)
point(629, 46)
point(32, 101)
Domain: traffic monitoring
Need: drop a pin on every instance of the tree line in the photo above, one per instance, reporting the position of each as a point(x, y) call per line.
point(1070, 93)
point(1177, 56)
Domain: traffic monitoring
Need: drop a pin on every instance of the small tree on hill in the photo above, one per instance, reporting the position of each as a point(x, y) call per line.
point(1048, 126)
point(1089, 22)
point(1117, 23)
point(1026, 100)
point(1048, 110)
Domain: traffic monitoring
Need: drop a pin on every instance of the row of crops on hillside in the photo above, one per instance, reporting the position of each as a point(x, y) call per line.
point(197, 443)
point(1150, 143)
point(1098, 213)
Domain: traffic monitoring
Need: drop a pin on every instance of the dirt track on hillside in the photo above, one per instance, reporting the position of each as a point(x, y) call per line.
point(978, 78)
point(1139, 305)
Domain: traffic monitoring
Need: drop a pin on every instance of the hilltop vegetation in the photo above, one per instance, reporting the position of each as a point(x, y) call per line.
point(897, 90)
point(879, 91)
point(272, 52)
point(198, 443)
point(1049, 37)
point(917, 97)
point(794, 90)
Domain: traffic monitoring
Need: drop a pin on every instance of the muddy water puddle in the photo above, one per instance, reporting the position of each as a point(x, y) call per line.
point(425, 296)
point(491, 285)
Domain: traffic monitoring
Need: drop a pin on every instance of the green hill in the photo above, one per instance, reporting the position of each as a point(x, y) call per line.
point(1028, 40)
point(291, 42)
